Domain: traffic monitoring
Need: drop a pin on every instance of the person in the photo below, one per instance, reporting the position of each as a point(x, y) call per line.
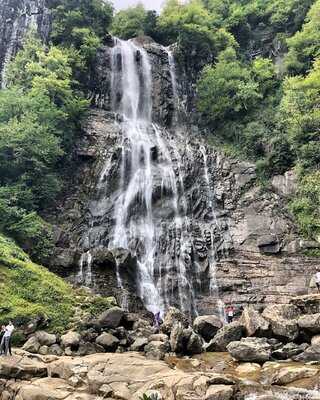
point(7, 338)
point(317, 279)
point(157, 320)
point(230, 313)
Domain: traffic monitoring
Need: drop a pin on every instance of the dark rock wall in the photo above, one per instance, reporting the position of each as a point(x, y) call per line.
point(238, 231)
point(16, 17)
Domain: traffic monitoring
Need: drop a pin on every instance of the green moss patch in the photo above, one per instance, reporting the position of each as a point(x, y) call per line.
point(28, 290)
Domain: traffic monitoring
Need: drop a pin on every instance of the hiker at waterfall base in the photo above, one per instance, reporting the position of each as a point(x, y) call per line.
point(229, 313)
point(317, 279)
point(157, 320)
point(5, 346)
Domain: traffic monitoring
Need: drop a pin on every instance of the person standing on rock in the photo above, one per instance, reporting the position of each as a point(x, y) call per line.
point(317, 280)
point(6, 339)
point(230, 313)
point(157, 320)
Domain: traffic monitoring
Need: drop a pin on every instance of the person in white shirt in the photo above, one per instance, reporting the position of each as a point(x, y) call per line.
point(6, 338)
point(317, 279)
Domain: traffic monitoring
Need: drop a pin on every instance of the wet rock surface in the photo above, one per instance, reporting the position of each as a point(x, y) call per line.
point(16, 18)
point(226, 216)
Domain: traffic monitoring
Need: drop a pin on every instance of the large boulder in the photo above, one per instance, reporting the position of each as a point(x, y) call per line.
point(55, 350)
point(194, 344)
point(308, 304)
point(111, 318)
point(289, 350)
point(254, 323)
point(312, 353)
point(179, 338)
point(315, 342)
point(172, 317)
point(207, 326)
point(310, 322)
point(139, 343)
point(250, 349)
point(219, 392)
point(21, 368)
point(229, 333)
point(108, 342)
point(32, 345)
point(283, 375)
point(71, 339)
point(283, 320)
point(157, 350)
point(46, 339)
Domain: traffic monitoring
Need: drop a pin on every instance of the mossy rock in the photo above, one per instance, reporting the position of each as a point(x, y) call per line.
point(29, 290)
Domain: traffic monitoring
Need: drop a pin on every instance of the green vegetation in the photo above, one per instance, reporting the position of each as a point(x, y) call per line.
point(135, 21)
point(39, 119)
point(304, 46)
point(28, 290)
point(253, 64)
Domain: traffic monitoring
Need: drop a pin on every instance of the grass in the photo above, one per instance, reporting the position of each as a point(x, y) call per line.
point(28, 290)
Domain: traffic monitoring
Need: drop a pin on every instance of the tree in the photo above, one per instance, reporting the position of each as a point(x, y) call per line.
point(39, 118)
point(227, 89)
point(300, 116)
point(130, 23)
point(304, 46)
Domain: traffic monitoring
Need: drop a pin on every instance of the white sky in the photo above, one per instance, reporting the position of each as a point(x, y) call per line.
point(149, 4)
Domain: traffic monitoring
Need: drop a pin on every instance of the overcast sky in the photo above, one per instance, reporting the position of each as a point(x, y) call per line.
point(149, 4)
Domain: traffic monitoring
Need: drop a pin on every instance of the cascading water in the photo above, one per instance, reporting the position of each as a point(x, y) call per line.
point(142, 199)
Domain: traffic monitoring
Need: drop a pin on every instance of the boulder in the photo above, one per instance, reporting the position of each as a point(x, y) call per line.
point(55, 350)
point(308, 304)
point(287, 374)
point(46, 339)
point(315, 342)
point(44, 350)
point(87, 348)
point(254, 323)
point(248, 369)
point(289, 350)
point(219, 392)
point(312, 353)
point(32, 345)
point(283, 320)
point(229, 333)
point(194, 344)
point(71, 339)
point(50, 389)
point(172, 317)
point(179, 338)
point(157, 350)
point(207, 326)
point(108, 342)
point(21, 368)
point(250, 349)
point(310, 322)
point(138, 344)
point(111, 318)
point(158, 337)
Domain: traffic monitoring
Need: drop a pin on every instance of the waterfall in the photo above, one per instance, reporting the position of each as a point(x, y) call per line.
point(85, 271)
point(143, 201)
point(146, 163)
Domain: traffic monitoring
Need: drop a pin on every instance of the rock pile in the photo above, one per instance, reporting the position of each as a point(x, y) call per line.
point(280, 332)
point(118, 331)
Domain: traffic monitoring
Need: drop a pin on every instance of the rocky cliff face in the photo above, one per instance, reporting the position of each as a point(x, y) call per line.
point(218, 236)
point(16, 18)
